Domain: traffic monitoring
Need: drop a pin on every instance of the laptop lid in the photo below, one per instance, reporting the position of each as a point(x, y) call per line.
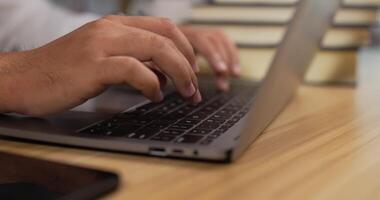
point(295, 54)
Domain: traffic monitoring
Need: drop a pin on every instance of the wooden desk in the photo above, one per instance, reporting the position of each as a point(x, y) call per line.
point(325, 145)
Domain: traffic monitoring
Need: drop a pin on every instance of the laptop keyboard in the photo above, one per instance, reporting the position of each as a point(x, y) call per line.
point(175, 120)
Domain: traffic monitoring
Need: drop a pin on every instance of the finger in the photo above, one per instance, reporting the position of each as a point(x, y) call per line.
point(232, 53)
point(210, 52)
point(222, 79)
point(222, 83)
point(197, 97)
point(163, 27)
point(148, 46)
point(128, 70)
point(220, 49)
point(161, 77)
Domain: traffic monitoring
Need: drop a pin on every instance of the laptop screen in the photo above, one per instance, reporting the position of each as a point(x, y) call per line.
point(295, 54)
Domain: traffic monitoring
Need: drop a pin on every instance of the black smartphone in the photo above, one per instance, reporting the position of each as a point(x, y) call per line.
point(29, 178)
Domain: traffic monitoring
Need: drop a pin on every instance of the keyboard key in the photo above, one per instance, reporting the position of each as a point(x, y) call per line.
point(180, 113)
point(140, 121)
point(163, 138)
point(156, 114)
point(181, 126)
point(223, 128)
point(189, 139)
point(215, 121)
point(189, 121)
point(93, 131)
point(129, 115)
point(213, 135)
point(208, 126)
point(173, 132)
point(198, 131)
point(164, 121)
point(219, 117)
point(196, 116)
point(174, 117)
point(144, 133)
point(234, 120)
point(126, 129)
point(147, 107)
point(111, 124)
point(156, 126)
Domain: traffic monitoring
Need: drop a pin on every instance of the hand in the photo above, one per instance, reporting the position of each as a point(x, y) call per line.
point(218, 50)
point(69, 71)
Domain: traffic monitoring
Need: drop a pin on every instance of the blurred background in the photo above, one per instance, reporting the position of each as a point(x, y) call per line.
point(256, 26)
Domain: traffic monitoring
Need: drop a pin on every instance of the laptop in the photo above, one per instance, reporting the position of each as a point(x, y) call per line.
point(218, 129)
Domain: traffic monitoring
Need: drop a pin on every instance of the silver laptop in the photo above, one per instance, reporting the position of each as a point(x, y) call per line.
point(218, 129)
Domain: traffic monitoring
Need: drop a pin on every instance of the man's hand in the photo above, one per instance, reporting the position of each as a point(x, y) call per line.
point(218, 50)
point(80, 65)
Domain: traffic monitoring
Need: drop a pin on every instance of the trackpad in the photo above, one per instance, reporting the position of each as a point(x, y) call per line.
point(114, 100)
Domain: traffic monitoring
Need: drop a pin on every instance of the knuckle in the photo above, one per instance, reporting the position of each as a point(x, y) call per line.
point(110, 17)
point(170, 29)
point(168, 25)
point(100, 23)
point(161, 42)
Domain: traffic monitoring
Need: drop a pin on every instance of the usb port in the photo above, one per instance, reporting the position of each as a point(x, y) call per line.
point(157, 151)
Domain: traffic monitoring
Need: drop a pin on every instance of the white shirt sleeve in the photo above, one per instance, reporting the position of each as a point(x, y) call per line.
point(26, 24)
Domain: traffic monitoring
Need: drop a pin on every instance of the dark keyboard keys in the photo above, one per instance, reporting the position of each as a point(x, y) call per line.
point(156, 126)
point(189, 121)
point(181, 126)
point(208, 126)
point(163, 138)
point(93, 131)
point(143, 133)
point(198, 131)
point(125, 130)
point(164, 121)
point(176, 120)
point(172, 132)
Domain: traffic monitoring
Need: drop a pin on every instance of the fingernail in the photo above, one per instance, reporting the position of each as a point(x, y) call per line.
point(190, 91)
point(196, 68)
point(197, 98)
point(223, 84)
point(159, 97)
point(222, 67)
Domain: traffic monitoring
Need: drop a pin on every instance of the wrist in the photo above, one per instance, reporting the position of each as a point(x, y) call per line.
point(5, 64)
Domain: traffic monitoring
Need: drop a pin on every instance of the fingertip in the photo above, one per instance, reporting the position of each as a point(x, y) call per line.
point(158, 97)
point(197, 98)
point(190, 91)
point(196, 68)
point(221, 67)
point(236, 70)
point(223, 84)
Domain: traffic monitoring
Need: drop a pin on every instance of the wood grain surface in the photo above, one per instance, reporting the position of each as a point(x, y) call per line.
point(325, 145)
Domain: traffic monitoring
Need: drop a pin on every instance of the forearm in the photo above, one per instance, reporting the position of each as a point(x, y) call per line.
point(10, 65)
point(3, 82)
